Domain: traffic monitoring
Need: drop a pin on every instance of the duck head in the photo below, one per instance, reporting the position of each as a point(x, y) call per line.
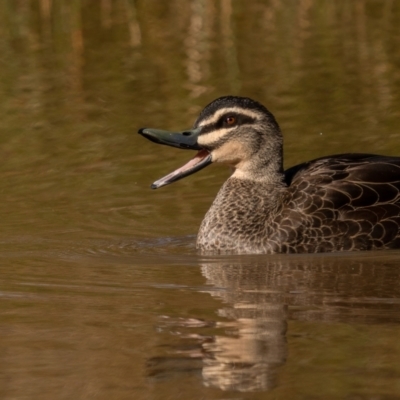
point(236, 131)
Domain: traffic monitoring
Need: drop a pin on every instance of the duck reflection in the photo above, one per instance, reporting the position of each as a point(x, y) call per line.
point(246, 347)
point(248, 358)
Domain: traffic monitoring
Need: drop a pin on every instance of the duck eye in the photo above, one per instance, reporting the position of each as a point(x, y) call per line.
point(230, 120)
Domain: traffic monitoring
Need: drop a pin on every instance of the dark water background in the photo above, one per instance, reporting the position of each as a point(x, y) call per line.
point(102, 293)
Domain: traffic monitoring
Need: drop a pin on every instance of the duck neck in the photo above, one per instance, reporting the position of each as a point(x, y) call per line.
point(261, 170)
point(239, 215)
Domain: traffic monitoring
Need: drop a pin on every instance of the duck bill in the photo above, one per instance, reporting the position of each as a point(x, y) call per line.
point(183, 140)
point(200, 161)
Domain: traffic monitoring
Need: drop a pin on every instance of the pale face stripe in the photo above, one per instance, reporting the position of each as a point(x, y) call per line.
point(219, 113)
point(213, 136)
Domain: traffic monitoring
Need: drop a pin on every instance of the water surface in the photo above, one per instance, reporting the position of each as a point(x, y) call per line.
point(103, 294)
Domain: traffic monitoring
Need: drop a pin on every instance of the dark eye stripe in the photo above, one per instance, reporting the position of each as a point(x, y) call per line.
point(211, 128)
point(242, 119)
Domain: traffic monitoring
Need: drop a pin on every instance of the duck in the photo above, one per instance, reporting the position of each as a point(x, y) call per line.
point(343, 202)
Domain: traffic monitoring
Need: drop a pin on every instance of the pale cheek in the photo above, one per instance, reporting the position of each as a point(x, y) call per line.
point(232, 157)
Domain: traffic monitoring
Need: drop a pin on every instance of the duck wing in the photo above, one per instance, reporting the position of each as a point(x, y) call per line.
point(351, 201)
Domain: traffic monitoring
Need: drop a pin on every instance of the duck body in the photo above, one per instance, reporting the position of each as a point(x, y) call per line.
point(339, 203)
point(343, 202)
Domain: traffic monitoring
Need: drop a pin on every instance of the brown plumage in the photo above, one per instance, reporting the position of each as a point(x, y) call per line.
point(338, 203)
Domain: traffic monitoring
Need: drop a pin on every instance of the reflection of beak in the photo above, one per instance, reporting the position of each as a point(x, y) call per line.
point(184, 140)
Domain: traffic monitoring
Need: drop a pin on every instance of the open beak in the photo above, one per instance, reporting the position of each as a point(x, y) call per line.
point(183, 140)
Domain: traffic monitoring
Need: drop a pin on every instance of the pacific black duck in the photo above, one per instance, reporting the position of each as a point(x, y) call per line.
point(342, 202)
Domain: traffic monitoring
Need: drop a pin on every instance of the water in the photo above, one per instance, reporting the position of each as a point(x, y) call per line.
point(103, 294)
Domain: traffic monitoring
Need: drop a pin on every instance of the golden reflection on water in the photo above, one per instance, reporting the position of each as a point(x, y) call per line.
point(270, 309)
point(77, 79)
